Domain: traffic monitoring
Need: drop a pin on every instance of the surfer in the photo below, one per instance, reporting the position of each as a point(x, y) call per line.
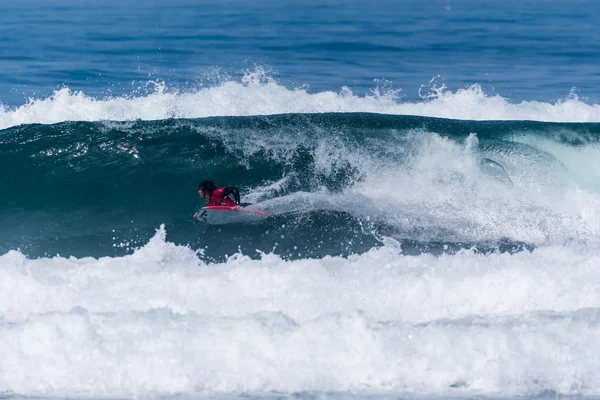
point(219, 196)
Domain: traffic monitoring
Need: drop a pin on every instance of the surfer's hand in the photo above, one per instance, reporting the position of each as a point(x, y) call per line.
point(196, 215)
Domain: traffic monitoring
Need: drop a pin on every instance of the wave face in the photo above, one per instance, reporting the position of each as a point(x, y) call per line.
point(90, 188)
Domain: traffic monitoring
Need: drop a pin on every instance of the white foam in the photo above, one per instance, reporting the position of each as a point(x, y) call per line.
point(435, 189)
point(258, 94)
point(380, 282)
point(159, 353)
point(161, 321)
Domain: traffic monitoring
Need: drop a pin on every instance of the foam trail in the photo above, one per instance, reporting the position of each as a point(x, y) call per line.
point(258, 94)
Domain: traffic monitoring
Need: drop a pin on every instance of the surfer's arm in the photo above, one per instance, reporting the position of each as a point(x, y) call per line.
point(234, 191)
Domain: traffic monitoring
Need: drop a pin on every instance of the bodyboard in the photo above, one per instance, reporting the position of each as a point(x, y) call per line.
point(220, 215)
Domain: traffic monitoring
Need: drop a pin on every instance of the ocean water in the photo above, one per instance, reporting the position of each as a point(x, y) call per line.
point(451, 146)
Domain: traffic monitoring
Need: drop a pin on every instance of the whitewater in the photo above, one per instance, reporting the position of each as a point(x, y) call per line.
point(257, 93)
point(161, 321)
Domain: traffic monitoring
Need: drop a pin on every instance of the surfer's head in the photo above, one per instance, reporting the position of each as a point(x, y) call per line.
point(205, 189)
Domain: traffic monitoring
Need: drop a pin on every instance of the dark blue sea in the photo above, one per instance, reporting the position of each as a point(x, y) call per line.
point(431, 172)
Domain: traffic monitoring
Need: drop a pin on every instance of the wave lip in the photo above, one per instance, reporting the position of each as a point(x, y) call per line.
point(259, 94)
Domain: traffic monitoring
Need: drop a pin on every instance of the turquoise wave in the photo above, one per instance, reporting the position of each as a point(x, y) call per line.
point(102, 188)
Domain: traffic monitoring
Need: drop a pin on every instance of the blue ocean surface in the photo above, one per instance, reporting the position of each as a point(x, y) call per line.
point(430, 170)
point(536, 50)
